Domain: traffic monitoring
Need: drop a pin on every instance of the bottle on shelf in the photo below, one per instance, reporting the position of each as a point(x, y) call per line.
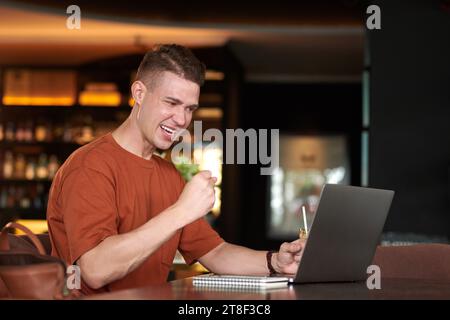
point(3, 198)
point(19, 166)
point(18, 196)
point(53, 166)
point(11, 198)
point(8, 165)
point(30, 171)
point(38, 194)
point(41, 132)
point(2, 136)
point(86, 135)
point(49, 136)
point(28, 134)
point(58, 132)
point(10, 131)
point(42, 167)
point(20, 132)
point(24, 199)
point(68, 133)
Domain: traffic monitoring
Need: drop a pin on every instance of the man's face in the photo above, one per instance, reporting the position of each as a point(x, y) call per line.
point(167, 108)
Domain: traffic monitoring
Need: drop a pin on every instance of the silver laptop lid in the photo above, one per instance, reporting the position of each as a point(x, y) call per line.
point(344, 234)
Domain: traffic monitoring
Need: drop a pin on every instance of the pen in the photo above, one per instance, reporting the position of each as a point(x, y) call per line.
point(304, 231)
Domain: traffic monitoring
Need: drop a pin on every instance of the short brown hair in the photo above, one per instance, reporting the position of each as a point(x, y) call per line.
point(173, 58)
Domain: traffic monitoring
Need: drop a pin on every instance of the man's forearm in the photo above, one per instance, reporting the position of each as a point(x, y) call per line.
point(232, 259)
point(118, 255)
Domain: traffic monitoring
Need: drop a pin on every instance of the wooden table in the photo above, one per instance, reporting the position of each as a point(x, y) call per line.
point(390, 289)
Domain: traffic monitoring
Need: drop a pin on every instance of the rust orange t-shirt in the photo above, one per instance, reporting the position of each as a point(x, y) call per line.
point(103, 190)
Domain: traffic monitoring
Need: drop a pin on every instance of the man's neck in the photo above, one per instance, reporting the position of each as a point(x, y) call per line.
point(129, 137)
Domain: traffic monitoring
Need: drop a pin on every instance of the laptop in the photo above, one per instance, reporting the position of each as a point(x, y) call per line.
point(344, 234)
point(342, 240)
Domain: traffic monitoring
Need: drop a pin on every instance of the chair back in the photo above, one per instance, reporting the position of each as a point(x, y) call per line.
point(422, 261)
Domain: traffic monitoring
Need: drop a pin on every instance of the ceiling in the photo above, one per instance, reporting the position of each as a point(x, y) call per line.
point(313, 43)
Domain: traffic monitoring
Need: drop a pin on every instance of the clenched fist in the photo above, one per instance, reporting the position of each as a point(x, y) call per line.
point(197, 198)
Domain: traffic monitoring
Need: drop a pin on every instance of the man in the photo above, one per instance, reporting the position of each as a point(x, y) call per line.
point(120, 213)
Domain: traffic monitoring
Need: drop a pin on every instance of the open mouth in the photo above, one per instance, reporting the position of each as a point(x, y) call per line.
point(173, 134)
point(169, 131)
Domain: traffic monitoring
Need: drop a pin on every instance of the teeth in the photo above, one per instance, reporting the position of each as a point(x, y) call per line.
point(167, 129)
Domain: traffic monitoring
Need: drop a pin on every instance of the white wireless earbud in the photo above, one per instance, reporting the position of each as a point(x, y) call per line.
point(139, 109)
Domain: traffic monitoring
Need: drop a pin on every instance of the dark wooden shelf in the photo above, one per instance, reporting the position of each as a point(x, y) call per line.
point(63, 114)
point(23, 213)
point(24, 181)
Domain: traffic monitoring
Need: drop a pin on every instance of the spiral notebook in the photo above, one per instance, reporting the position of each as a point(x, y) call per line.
point(231, 281)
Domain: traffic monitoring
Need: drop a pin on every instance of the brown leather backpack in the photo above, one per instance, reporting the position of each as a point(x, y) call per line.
point(27, 272)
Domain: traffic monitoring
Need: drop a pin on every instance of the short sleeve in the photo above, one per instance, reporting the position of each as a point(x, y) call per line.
point(197, 239)
point(89, 210)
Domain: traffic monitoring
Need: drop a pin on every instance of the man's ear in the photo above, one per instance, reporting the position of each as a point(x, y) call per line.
point(138, 91)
